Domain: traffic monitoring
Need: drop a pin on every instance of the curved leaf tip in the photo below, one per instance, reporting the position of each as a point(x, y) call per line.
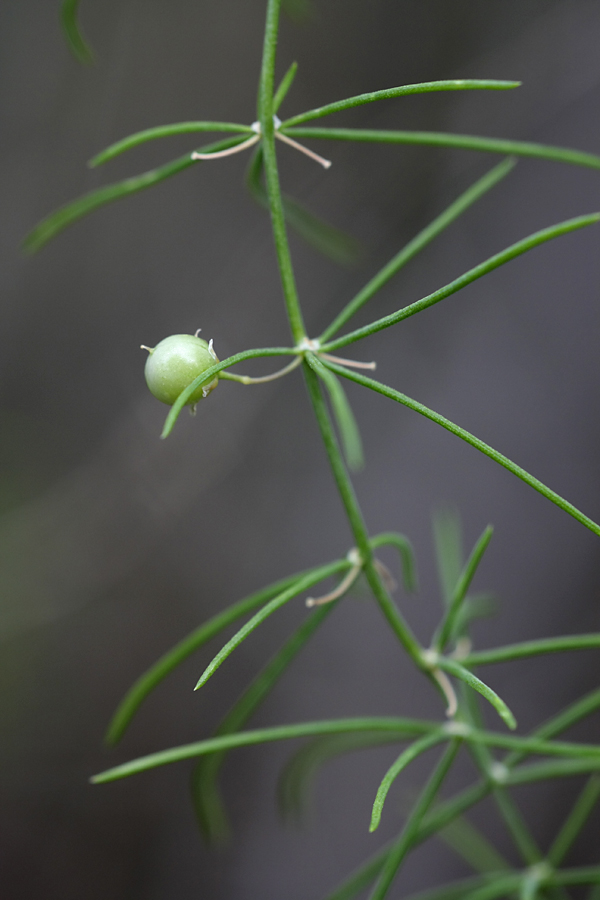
point(80, 49)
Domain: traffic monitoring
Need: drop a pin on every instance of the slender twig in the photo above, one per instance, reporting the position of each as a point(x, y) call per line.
point(265, 117)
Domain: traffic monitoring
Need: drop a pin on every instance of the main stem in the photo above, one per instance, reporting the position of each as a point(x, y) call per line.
point(344, 485)
point(356, 520)
point(265, 117)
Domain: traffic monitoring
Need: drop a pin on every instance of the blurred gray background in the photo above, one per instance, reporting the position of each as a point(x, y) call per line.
point(114, 544)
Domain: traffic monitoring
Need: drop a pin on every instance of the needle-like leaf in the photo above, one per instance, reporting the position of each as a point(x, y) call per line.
point(205, 789)
point(298, 587)
point(580, 875)
point(472, 846)
point(425, 87)
point(327, 239)
point(502, 886)
point(458, 141)
point(144, 685)
point(208, 376)
point(401, 727)
point(293, 789)
point(559, 768)
point(447, 536)
point(406, 757)
point(454, 668)
point(407, 556)
point(66, 215)
point(418, 243)
point(162, 131)
point(79, 47)
point(494, 262)
point(456, 890)
point(342, 413)
point(284, 86)
point(575, 821)
point(472, 440)
point(559, 644)
point(299, 11)
point(410, 831)
point(459, 593)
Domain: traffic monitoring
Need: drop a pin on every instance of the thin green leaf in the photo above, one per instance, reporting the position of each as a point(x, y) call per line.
point(332, 242)
point(399, 726)
point(299, 11)
point(516, 825)
point(580, 875)
point(460, 590)
point(533, 648)
point(499, 259)
point(79, 47)
point(361, 877)
point(343, 415)
point(438, 818)
point(409, 835)
point(528, 745)
point(476, 606)
point(594, 893)
point(284, 86)
point(473, 441)
point(502, 886)
point(455, 668)
point(328, 240)
point(66, 215)
point(406, 757)
point(146, 683)
point(161, 131)
point(293, 789)
point(565, 719)
point(418, 243)
point(209, 375)
point(560, 768)
point(407, 556)
point(472, 846)
point(575, 821)
point(456, 890)
point(459, 141)
point(449, 556)
point(303, 584)
point(205, 790)
point(402, 91)
point(446, 811)
point(530, 886)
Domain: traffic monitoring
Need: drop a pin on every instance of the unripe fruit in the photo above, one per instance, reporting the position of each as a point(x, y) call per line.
point(175, 363)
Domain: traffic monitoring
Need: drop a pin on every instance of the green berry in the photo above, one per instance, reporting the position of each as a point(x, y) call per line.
point(175, 363)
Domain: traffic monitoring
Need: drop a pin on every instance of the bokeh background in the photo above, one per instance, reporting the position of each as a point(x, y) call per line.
point(114, 544)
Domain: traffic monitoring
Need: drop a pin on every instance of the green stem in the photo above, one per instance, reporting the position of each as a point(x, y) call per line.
point(265, 117)
point(356, 521)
